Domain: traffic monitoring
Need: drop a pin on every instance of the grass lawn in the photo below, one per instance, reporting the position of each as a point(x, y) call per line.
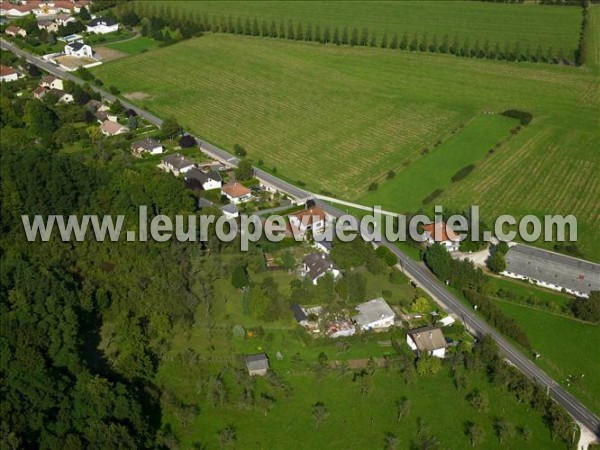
point(530, 25)
point(524, 289)
point(568, 347)
point(138, 45)
point(352, 114)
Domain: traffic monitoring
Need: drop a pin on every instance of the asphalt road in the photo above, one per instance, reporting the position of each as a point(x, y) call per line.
point(416, 271)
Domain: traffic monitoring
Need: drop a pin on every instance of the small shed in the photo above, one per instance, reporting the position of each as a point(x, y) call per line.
point(257, 364)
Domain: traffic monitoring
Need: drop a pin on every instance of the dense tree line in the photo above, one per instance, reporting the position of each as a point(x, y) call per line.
point(462, 275)
point(354, 36)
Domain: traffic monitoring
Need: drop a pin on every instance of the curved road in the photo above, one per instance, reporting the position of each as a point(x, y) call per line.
point(416, 271)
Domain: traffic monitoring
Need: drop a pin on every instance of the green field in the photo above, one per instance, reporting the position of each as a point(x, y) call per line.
point(436, 168)
point(134, 46)
point(354, 421)
point(530, 25)
point(567, 347)
point(340, 118)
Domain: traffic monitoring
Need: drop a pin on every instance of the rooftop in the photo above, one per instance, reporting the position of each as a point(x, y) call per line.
point(177, 161)
point(146, 144)
point(440, 232)
point(202, 177)
point(5, 70)
point(553, 268)
point(372, 311)
point(230, 209)
point(310, 215)
point(111, 127)
point(317, 264)
point(236, 190)
point(428, 339)
point(258, 361)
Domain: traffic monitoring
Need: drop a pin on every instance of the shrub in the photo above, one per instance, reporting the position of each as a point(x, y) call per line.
point(524, 116)
point(462, 173)
point(435, 194)
point(373, 186)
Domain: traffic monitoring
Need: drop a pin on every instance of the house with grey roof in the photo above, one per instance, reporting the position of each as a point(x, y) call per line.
point(230, 211)
point(207, 180)
point(552, 270)
point(177, 164)
point(316, 264)
point(257, 364)
point(147, 145)
point(375, 314)
point(427, 341)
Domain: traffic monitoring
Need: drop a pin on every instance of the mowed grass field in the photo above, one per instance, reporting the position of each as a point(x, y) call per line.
point(134, 46)
point(528, 24)
point(340, 118)
point(567, 347)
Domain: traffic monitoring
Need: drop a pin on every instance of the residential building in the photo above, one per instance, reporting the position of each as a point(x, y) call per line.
point(102, 25)
point(236, 192)
point(39, 92)
point(442, 234)
point(63, 19)
point(8, 74)
point(79, 49)
point(177, 164)
point(552, 270)
point(316, 264)
point(230, 211)
point(307, 317)
point(197, 179)
point(375, 314)
point(51, 82)
point(48, 25)
point(110, 128)
point(427, 341)
point(257, 364)
point(14, 31)
point(147, 145)
point(62, 96)
point(312, 219)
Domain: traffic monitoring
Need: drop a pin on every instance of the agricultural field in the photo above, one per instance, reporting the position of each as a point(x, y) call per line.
point(339, 118)
point(567, 347)
point(528, 24)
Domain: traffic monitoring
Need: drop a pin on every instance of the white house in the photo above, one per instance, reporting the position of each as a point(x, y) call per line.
point(313, 219)
point(230, 211)
point(177, 164)
point(147, 145)
point(375, 314)
point(63, 19)
point(8, 74)
point(197, 178)
point(110, 128)
point(427, 341)
point(102, 25)
point(79, 49)
point(315, 265)
point(51, 82)
point(236, 192)
point(48, 25)
point(442, 234)
point(62, 96)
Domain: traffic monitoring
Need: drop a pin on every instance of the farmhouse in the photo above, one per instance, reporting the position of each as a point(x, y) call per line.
point(15, 31)
point(427, 341)
point(8, 74)
point(102, 25)
point(375, 314)
point(79, 49)
point(51, 82)
point(552, 270)
point(147, 145)
point(197, 179)
point(230, 211)
point(313, 219)
point(315, 265)
point(236, 193)
point(257, 364)
point(177, 164)
point(442, 234)
point(110, 128)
